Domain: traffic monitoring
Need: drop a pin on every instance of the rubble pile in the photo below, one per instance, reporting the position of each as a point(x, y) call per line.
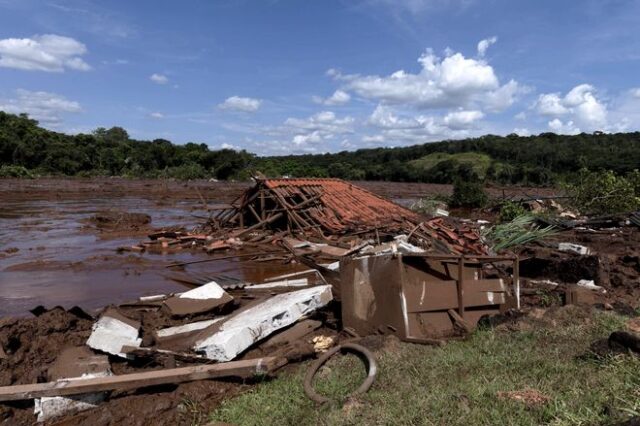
point(364, 266)
point(342, 239)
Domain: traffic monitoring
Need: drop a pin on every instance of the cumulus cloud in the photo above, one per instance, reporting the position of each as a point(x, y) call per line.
point(339, 97)
point(578, 110)
point(48, 52)
point(313, 133)
point(45, 107)
point(238, 103)
point(453, 81)
point(462, 119)
point(635, 92)
point(156, 115)
point(397, 129)
point(159, 78)
point(483, 45)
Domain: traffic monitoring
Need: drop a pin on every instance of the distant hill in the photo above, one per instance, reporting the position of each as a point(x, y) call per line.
point(28, 149)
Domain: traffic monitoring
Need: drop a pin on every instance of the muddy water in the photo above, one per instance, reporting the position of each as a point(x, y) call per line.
point(51, 255)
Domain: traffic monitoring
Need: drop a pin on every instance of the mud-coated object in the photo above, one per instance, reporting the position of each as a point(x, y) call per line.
point(412, 296)
point(364, 353)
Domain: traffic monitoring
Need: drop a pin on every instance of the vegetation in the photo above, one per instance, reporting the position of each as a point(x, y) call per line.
point(544, 159)
point(605, 192)
point(459, 383)
point(520, 230)
point(509, 210)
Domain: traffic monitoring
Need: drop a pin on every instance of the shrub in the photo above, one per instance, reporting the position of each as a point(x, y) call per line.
point(603, 192)
point(509, 210)
point(468, 193)
point(10, 171)
point(186, 172)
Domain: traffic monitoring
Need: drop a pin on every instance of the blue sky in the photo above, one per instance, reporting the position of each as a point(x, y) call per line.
point(283, 76)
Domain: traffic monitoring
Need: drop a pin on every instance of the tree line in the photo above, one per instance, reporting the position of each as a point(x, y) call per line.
point(28, 149)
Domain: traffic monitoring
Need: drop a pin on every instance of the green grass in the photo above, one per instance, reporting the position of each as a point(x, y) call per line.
point(480, 162)
point(457, 384)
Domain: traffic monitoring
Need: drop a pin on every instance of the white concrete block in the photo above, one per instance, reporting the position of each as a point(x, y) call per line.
point(110, 334)
point(249, 326)
point(208, 291)
point(187, 328)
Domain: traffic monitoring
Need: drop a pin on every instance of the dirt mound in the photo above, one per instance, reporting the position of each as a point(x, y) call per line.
point(111, 220)
point(33, 344)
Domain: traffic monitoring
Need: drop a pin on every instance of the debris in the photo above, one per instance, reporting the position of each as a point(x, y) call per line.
point(113, 331)
point(590, 284)
point(529, 397)
point(362, 352)
point(322, 343)
point(243, 369)
point(293, 333)
point(301, 282)
point(574, 248)
point(171, 332)
point(224, 341)
point(77, 363)
point(410, 295)
point(199, 300)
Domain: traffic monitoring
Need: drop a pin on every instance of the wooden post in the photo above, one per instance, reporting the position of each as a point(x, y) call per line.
point(244, 368)
point(262, 205)
point(461, 286)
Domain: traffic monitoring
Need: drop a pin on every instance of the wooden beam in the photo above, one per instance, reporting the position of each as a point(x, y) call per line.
point(461, 287)
point(245, 368)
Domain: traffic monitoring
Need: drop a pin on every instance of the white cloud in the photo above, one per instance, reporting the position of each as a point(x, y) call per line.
point(483, 45)
point(159, 78)
point(49, 52)
point(521, 131)
point(397, 129)
point(339, 97)
point(580, 107)
point(45, 107)
point(454, 81)
point(462, 119)
point(226, 145)
point(156, 115)
point(558, 126)
point(238, 103)
point(311, 134)
point(635, 92)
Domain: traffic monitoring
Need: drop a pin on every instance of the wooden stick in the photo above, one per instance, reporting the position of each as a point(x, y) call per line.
point(244, 369)
point(258, 225)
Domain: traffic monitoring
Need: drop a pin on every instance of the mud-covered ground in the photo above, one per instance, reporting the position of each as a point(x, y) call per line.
point(58, 241)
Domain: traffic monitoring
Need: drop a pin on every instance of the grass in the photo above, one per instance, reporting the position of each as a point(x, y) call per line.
point(458, 384)
point(480, 162)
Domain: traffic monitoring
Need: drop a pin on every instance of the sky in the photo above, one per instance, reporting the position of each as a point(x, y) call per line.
point(279, 77)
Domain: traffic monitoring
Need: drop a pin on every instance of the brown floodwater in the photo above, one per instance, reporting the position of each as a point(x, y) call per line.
point(51, 254)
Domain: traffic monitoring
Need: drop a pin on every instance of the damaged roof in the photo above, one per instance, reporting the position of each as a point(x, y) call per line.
point(346, 206)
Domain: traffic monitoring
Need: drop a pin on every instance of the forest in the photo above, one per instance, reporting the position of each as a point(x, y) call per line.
point(28, 150)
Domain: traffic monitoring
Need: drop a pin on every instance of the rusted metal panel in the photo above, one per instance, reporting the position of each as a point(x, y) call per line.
point(411, 296)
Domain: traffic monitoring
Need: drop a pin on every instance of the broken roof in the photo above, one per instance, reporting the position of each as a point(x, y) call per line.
point(340, 206)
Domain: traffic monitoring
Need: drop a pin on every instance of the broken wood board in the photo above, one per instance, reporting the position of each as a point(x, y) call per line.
point(243, 369)
point(223, 342)
point(293, 333)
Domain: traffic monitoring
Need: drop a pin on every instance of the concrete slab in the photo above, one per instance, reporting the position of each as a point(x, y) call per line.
point(225, 341)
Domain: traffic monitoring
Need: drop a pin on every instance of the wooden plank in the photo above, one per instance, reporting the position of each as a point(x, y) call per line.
point(244, 368)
